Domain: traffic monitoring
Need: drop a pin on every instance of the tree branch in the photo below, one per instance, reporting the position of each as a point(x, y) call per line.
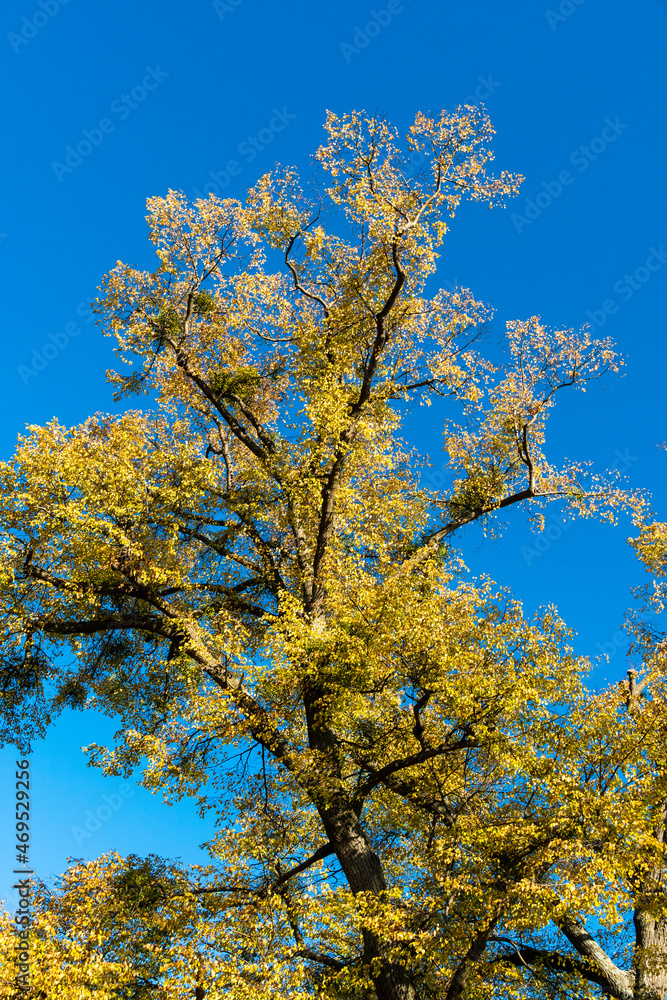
point(558, 963)
point(379, 777)
point(616, 980)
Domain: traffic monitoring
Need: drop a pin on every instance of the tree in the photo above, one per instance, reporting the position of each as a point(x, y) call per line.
point(416, 795)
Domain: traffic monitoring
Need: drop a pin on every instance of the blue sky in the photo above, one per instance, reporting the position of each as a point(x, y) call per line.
point(166, 94)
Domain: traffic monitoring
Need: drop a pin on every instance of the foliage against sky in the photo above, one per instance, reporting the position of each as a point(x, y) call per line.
point(415, 794)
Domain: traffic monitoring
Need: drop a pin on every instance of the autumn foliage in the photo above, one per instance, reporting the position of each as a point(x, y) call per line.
point(416, 796)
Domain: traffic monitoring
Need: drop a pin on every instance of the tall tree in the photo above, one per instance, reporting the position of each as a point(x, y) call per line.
point(415, 794)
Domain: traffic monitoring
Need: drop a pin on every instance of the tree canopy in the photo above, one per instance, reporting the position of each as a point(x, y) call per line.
point(416, 795)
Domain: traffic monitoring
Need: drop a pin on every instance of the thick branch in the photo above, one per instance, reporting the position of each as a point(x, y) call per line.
point(318, 956)
point(380, 335)
point(142, 623)
point(234, 425)
point(560, 964)
point(464, 970)
point(330, 489)
point(434, 541)
point(380, 777)
point(601, 966)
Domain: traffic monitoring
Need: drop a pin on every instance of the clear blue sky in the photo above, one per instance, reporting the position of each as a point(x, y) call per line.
point(164, 94)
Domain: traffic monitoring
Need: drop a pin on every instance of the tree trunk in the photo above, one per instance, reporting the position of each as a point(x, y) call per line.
point(363, 871)
point(361, 865)
point(465, 970)
point(650, 957)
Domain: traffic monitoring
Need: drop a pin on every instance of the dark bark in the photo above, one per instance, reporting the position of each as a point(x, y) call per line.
point(360, 864)
point(556, 964)
point(466, 967)
point(650, 957)
point(616, 981)
point(363, 870)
